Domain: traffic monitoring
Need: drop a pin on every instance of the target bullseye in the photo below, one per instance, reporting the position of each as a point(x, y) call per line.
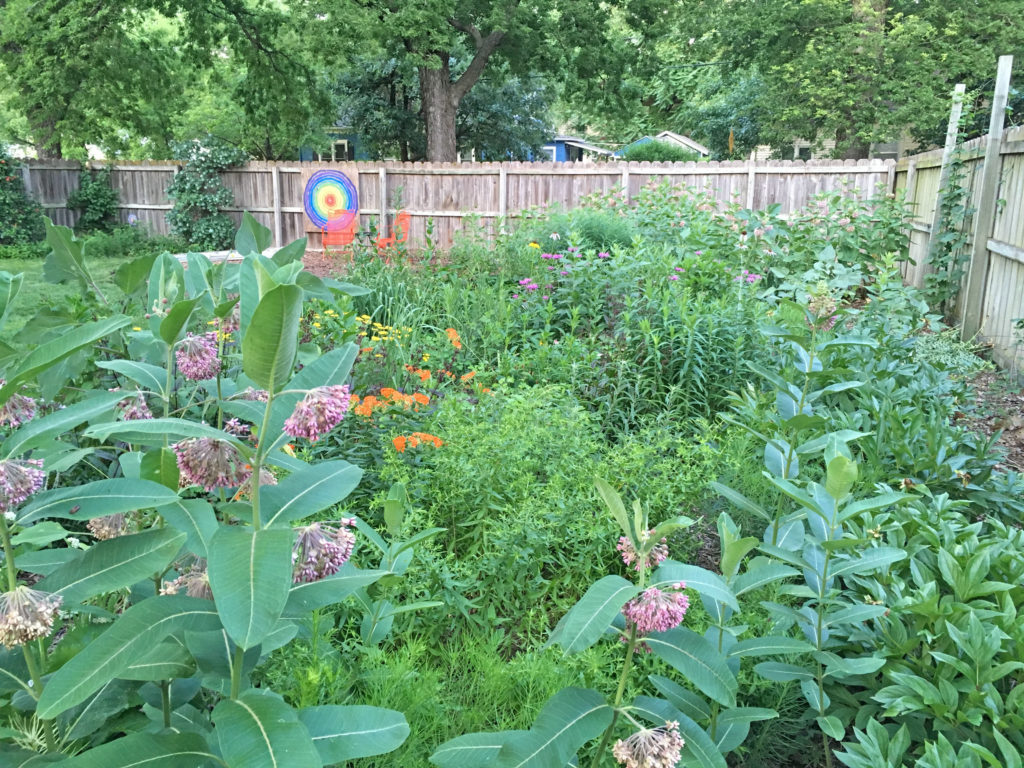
point(330, 199)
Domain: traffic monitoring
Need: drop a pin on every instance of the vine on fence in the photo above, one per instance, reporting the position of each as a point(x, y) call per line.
point(97, 201)
point(199, 195)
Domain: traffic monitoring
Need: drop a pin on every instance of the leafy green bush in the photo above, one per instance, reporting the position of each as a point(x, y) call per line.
point(133, 242)
point(199, 195)
point(21, 218)
point(24, 251)
point(658, 151)
point(95, 200)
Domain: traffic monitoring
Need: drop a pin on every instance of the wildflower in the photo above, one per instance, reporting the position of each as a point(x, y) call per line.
point(532, 287)
point(321, 549)
point(197, 357)
point(555, 236)
point(108, 527)
point(673, 277)
point(19, 479)
point(320, 411)
point(453, 337)
point(234, 427)
point(657, 611)
point(399, 443)
point(210, 463)
point(425, 437)
point(534, 245)
point(545, 298)
point(515, 295)
point(26, 614)
point(17, 410)
point(630, 554)
point(195, 582)
point(603, 255)
point(650, 747)
point(135, 408)
point(468, 376)
point(245, 489)
point(423, 399)
point(257, 395)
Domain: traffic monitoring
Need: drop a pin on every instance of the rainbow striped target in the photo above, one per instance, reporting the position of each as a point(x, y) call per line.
point(330, 196)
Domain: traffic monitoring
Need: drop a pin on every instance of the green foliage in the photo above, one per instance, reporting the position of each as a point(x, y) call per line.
point(21, 218)
point(95, 200)
point(658, 151)
point(199, 195)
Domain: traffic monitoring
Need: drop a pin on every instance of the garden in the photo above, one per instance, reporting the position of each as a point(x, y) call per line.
point(665, 483)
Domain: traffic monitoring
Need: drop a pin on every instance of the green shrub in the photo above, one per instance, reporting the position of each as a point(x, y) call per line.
point(21, 218)
point(658, 151)
point(199, 195)
point(133, 242)
point(24, 251)
point(95, 200)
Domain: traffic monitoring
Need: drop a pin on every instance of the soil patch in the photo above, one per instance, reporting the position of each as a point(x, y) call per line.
point(998, 406)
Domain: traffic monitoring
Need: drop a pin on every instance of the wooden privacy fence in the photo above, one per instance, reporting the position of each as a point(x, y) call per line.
point(441, 196)
point(991, 298)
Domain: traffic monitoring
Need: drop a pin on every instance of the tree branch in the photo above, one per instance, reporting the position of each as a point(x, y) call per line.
point(485, 46)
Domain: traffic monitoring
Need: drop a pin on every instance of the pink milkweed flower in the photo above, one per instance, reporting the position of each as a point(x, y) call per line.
point(210, 463)
point(630, 555)
point(321, 549)
point(320, 411)
point(19, 479)
point(657, 611)
point(18, 409)
point(650, 747)
point(197, 357)
point(26, 614)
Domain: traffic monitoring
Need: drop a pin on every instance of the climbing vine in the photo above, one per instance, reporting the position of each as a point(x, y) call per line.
point(199, 195)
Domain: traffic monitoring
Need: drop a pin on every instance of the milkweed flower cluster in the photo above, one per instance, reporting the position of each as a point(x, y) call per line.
point(134, 408)
point(650, 747)
point(211, 463)
point(320, 411)
point(321, 549)
point(108, 526)
point(26, 614)
point(746, 277)
point(18, 410)
point(194, 582)
point(630, 555)
point(197, 357)
point(657, 611)
point(19, 479)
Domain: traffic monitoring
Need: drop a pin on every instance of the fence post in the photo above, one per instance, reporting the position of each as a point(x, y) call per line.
point(625, 182)
point(751, 178)
point(502, 191)
point(382, 193)
point(26, 178)
point(276, 179)
point(952, 130)
point(984, 221)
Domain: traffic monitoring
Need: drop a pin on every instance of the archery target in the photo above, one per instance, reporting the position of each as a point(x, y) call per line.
point(330, 196)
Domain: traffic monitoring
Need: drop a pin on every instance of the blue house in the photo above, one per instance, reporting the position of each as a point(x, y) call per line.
point(345, 145)
point(669, 137)
point(567, 149)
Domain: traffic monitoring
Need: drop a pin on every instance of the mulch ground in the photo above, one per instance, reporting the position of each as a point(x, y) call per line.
point(998, 406)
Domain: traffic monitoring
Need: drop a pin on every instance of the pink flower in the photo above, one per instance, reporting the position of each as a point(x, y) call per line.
point(320, 411)
point(630, 555)
point(197, 357)
point(19, 479)
point(515, 295)
point(17, 410)
point(26, 614)
point(194, 581)
point(657, 611)
point(650, 748)
point(210, 463)
point(563, 273)
point(544, 297)
point(673, 277)
point(603, 255)
point(135, 408)
point(321, 549)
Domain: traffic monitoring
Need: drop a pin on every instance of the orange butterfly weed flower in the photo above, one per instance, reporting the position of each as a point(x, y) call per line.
point(468, 376)
point(389, 393)
point(420, 398)
point(428, 438)
point(453, 337)
point(399, 443)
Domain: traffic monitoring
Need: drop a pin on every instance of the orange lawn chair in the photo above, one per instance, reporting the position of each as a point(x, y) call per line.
point(399, 234)
point(332, 235)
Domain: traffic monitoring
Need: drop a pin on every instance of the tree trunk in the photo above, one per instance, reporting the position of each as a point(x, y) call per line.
point(439, 109)
point(46, 138)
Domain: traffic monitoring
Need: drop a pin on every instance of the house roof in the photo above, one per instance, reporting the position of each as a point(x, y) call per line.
point(575, 141)
point(684, 141)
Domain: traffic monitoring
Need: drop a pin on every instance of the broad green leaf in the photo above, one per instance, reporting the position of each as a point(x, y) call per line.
point(160, 465)
point(308, 596)
point(308, 491)
point(127, 640)
point(195, 518)
point(733, 553)
point(151, 378)
point(156, 431)
point(839, 666)
point(132, 275)
point(761, 573)
point(66, 260)
point(50, 353)
point(771, 645)
point(96, 499)
point(250, 575)
point(778, 672)
point(872, 504)
point(613, 503)
point(871, 560)
point(166, 281)
point(342, 733)
point(698, 660)
point(165, 661)
point(46, 561)
point(173, 324)
point(698, 748)
point(258, 730)
point(82, 720)
point(740, 501)
point(855, 614)
point(686, 701)
point(271, 340)
point(148, 750)
point(832, 727)
point(9, 287)
point(472, 750)
point(708, 584)
point(746, 715)
point(347, 288)
point(214, 654)
point(286, 254)
point(395, 505)
point(252, 237)
point(590, 618)
point(114, 564)
point(40, 534)
point(781, 460)
point(840, 476)
point(571, 717)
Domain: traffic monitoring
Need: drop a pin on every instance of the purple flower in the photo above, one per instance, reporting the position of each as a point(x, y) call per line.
point(603, 255)
point(532, 287)
point(525, 281)
point(657, 611)
point(320, 411)
point(321, 549)
point(515, 295)
point(630, 554)
point(563, 273)
point(673, 277)
point(135, 408)
point(698, 253)
point(26, 614)
point(679, 269)
point(544, 297)
point(210, 463)
point(19, 479)
point(17, 410)
point(197, 357)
